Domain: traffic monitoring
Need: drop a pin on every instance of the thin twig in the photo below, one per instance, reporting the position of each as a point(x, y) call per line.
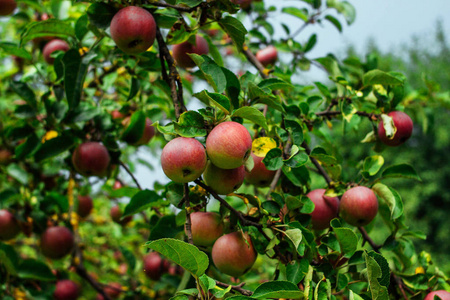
point(337, 113)
point(187, 207)
point(317, 164)
point(367, 238)
point(237, 288)
point(252, 58)
point(123, 165)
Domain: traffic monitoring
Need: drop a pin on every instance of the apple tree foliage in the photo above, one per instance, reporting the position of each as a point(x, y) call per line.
point(48, 110)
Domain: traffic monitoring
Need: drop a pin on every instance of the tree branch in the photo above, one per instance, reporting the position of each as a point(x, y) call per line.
point(187, 207)
point(237, 288)
point(317, 164)
point(252, 58)
point(368, 239)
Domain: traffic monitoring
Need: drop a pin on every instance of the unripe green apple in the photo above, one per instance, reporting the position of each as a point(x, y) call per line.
point(84, 206)
point(223, 181)
point(57, 242)
point(267, 56)
point(181, 51)
point(259, 175)
point(91, 159)
point(66, 290)
point(183, 159)
point(233, 253)
point(358, 206)
point(133, 29)
point(404, 126)
point(9, 227)
point(116, 216)
point(52, 46)
point(7, 7)
point(229, 145)
point(326, 209)
point(206, 228)
point(443, 295)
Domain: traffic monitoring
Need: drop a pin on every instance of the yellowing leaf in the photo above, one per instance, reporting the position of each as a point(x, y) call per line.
point(262, 145)
point(49, 135)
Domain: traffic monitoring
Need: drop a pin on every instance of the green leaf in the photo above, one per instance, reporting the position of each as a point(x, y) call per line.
point(323, 89)
point(295, 236)
point(55, 146)
point(25, 92)
point(135, 128)
point(392, 199)
point(258, 95)
point(321, 155)
point(35, 269)
point(275, 84)
point(134, 88)
point(311, 43)
point(296, 12)
point(51, 27)
point(214, 99)
point(183, 254)
point(295, 130)
point(166, 227)
point(401, 170)
point(81, 27)
point(297, 160)
point(75, 69)
point(206, 282)
point(129, 258)
point(18, 173)
point(373, 164)
point(347, 240)
point(278, 289)
point(252, 114)
point(214, 52)
point(141, 201)
point(190, 124)
point(100, 14)
point(375, 274)
point(379, 77)
point(234, 28)
point(190, 3)
point(273, 160)
point(13, 49)
point(334, 21)
point(345, 8)
point(382, 262)
point(233, 87)
point(297, 270)
point(9, 258)
point(28, 147)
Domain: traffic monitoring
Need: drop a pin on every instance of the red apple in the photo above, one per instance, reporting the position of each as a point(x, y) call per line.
point(326, 209)
point(267, 56)
point(9, 227)
point(183, 159)
point(133, 29)
point(66, 290)
point(116, 215)
point(113, 290)
point(233, 253)
point(181, 51)
point(206, 228)
point(259, 175)
point(443, 295)
point(7, 7)
point(223, 181)
point(57, 242)
point(117, 185)
point(155, 266)
point(84, 206)
point(358, 206)
point(91, 159)
point(52, 46)
point(228, 145)
point(404, 126)
point(147, 135)
point(117, 115)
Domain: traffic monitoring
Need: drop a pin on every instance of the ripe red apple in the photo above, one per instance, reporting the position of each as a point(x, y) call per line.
point(223, 181)
point(7, 7)
point(9, 227)
point(117, 115)
point(181, 51)
point(113, 290)
point(443, 295)
point(133, 29)
point(84, 206)
point(52, 46)
point(233, 253)
point(147, 135)
point(206, 228)
point(91, 159)
point(358, 206)
point(259, 175)
point(57, 242)
point(117, 185)
point(183, 159)
point(326, 209)
point(116, 215)
point(66, 290)
point(155, 266)
point(267, 56)
point(404, 126)
point(229, 145)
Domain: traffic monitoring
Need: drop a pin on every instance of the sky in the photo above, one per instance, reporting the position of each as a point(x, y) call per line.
point(390, 23)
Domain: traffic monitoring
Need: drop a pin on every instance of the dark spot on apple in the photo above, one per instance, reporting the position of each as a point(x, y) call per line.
point(236, 187)
point(263, 182)
point(186, 172)
point(246, 155)
point(134, 43)
point(361, 221)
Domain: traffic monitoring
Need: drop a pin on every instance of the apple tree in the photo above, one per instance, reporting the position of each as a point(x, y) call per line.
point(258, 198)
